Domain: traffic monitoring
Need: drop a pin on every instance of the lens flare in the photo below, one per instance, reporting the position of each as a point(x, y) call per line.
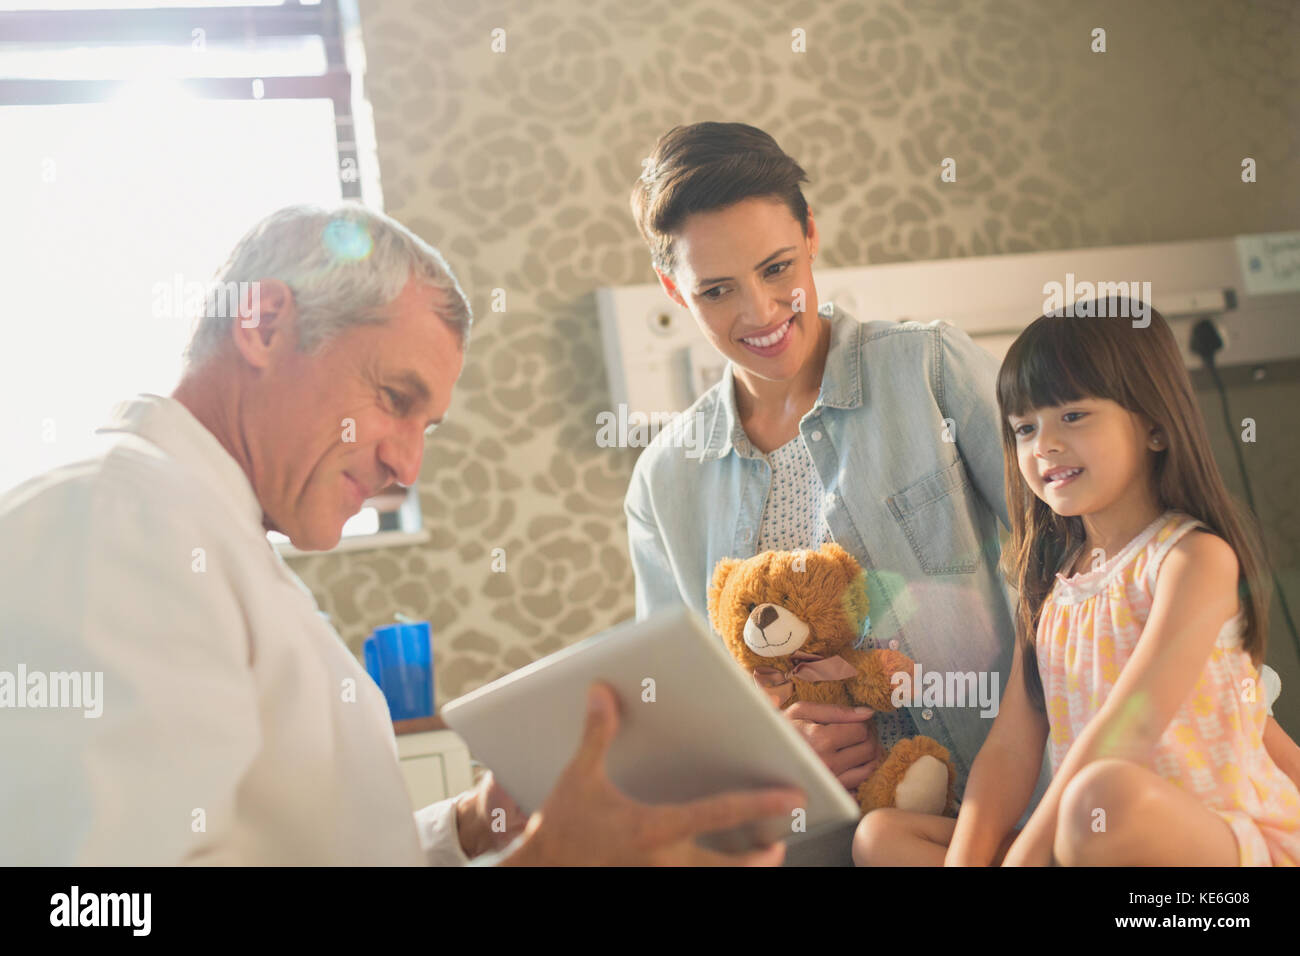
point(348, 240)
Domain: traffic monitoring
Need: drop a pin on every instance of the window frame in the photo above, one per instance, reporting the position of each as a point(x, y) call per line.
point(399, 523)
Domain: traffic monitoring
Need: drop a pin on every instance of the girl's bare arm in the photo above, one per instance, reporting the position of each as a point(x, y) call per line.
point(1283, 750)
point(1003, 776)
point(1195, 594)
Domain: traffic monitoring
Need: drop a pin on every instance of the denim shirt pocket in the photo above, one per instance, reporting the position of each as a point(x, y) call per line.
point(936, 518)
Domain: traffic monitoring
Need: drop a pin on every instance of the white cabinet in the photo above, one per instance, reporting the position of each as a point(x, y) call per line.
point(435, 764)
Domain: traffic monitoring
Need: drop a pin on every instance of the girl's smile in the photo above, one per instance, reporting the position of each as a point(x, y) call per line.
point(1083, 456)
point(1057, 478)
point(1089, 458)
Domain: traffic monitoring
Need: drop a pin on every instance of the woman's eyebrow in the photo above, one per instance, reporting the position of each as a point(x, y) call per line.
point(703, 282)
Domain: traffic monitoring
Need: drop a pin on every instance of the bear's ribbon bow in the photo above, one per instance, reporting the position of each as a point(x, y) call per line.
point(812, 668)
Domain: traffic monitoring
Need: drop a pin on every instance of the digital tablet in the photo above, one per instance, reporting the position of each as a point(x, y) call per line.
point(692, 724)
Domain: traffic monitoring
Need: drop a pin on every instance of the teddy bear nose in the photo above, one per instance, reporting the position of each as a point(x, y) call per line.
point(767, 616)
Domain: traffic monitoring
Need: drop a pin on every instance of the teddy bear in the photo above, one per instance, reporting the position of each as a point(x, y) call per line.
point(792, 619)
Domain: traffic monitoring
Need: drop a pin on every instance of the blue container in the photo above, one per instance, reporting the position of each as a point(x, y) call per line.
point(400, 659)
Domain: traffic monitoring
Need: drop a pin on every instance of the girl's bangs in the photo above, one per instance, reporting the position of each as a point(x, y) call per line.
point(1049, 365)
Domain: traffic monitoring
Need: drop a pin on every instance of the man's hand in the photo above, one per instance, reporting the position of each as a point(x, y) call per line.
point(586, 821)
point(841, 737)
point(486, 818)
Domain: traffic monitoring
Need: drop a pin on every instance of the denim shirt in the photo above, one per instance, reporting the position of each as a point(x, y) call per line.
point(906, 439)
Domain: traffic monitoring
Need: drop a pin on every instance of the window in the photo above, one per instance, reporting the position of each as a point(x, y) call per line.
point(140, 143)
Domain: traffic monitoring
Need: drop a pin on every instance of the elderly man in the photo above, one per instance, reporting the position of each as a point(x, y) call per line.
point(235, 726)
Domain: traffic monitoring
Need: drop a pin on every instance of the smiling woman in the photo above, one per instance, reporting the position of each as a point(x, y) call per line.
point(881, 437)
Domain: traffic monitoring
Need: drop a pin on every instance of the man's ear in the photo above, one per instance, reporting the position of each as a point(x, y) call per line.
point(721, 574)
point(670, 287)
point(267, 321)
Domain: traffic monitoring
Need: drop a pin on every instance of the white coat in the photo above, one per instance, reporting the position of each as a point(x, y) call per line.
point(234, 725)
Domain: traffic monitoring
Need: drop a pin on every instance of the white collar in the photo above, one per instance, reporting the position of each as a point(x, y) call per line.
point(168, 424)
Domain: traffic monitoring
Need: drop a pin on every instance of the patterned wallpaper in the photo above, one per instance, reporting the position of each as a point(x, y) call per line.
point(517, 164)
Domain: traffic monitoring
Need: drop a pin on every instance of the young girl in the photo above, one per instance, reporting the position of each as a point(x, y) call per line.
point(1140, 632)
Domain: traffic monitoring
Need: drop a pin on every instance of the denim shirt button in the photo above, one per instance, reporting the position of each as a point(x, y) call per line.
point(816, 436)
point(893, 645)
point(927, 714)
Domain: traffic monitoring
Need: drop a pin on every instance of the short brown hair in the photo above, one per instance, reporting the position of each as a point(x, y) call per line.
point(709, 166)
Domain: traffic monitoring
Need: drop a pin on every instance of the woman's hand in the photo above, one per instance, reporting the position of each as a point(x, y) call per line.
point(842, 737)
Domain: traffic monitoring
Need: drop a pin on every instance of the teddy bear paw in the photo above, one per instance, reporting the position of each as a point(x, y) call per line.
point(924, 788)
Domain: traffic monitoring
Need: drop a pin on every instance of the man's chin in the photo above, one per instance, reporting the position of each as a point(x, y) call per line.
point(313, 539)
point(321, 543)
point(317, 545)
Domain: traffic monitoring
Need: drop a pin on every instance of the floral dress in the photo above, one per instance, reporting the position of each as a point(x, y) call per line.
point(1213, 748)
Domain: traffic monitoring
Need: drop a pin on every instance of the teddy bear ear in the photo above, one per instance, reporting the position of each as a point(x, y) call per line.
point(721, 573)
point(846, 561)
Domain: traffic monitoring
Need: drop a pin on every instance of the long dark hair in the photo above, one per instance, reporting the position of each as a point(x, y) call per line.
point(1060, 359)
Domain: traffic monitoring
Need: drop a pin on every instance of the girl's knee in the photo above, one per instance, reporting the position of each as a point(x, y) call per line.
point(876, 833)
point(1098, 805)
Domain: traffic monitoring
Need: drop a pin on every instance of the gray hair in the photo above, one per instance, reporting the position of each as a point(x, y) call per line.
point(343, 263)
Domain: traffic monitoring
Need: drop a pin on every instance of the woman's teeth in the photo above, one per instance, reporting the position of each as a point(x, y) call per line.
point(770, 340)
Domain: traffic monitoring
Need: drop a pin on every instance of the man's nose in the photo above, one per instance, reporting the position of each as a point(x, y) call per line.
point(403, 453)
